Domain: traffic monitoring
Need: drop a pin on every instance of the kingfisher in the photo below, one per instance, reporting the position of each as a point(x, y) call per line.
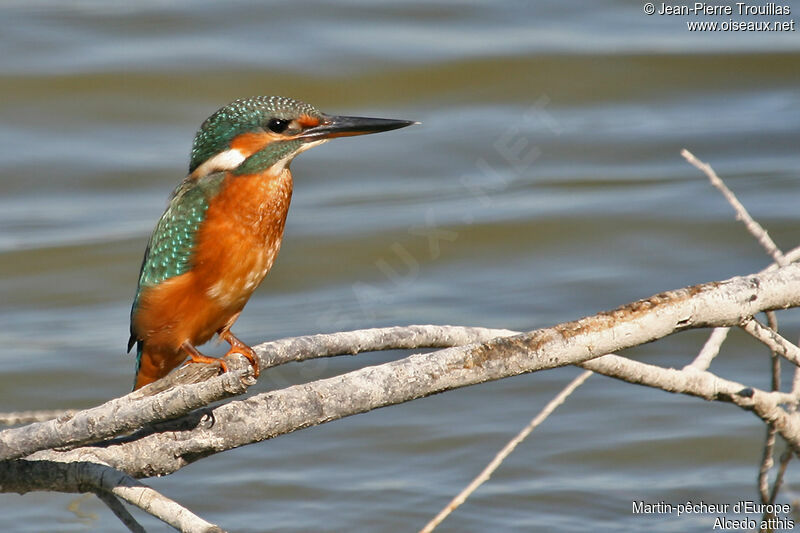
point(223, 227)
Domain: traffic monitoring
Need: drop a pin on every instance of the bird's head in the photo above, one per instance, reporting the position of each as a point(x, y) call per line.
point(251, 135)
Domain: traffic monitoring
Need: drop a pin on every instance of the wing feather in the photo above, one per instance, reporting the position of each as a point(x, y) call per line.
point(170, 249)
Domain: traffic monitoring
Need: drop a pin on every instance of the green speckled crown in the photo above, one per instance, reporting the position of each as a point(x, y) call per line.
point(241, 116)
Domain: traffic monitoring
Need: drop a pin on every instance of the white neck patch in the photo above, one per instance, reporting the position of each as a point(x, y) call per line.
point(231, 159)
point(227, 160)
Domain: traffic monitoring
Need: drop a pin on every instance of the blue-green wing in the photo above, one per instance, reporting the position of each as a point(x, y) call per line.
point(169, 251)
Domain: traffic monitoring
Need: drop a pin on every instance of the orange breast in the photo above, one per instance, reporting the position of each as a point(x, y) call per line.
point(241, 235)
point(234, 249)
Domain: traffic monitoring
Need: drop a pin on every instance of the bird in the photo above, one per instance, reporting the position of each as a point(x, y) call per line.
point(222, 229)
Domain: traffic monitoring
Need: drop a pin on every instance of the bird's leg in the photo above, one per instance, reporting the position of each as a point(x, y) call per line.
point(197, 357)
point(239, 347)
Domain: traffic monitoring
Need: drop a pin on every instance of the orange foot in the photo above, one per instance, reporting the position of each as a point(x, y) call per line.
point(197, 357)
point(241, 348)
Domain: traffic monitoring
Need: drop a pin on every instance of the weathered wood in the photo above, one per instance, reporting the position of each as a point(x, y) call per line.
point(273, 413)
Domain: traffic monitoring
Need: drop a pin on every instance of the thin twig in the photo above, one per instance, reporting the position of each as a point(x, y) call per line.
point(506, 451)
point(710, 350)
point(772, 323)
point(85, 473)
point(766, 465)
point(795, 388)
point(791, 256)
point(772, 249)
point(752, 226)
point(786, 458)
point(772, 339)
point(120, 511)
point(105, 478)
point(163, 508)
point(767, 461)
point(796, 383)
point(766, 405)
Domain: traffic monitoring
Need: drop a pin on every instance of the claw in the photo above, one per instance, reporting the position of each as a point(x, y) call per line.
point(197, 357)
point(238, 347)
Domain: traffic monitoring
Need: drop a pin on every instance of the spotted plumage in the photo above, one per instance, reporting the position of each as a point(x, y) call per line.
point(223, 227)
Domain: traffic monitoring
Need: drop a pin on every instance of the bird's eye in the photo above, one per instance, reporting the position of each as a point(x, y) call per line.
point(278, 125)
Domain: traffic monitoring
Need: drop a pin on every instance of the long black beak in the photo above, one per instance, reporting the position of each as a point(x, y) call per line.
point(336, 126)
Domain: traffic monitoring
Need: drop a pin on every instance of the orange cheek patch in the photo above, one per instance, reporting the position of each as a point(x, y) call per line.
point(307, 121)
point(251, 142)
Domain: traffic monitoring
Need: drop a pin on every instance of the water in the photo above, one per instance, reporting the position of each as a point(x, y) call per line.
point(548, 152)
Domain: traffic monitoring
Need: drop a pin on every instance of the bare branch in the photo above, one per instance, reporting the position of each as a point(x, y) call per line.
point(506, 451)
point(774, 340)
point(353, 342)
point(752, 226)
point(772, 323)
point(86, 475)
point(796, 383)
point(29, 460)
point(765, 405)
point(786, 458)
point(272, 413)
point(767, 243)
point(141, 408)
point(766, 463)
point(120, 511)
point(163, 508)
point(710, 350)
point(117, 416)
point(204, 432)
point(767, 460)
point(632, 321)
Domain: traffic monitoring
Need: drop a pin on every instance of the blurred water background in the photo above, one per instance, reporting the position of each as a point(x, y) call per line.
point(548, 153)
